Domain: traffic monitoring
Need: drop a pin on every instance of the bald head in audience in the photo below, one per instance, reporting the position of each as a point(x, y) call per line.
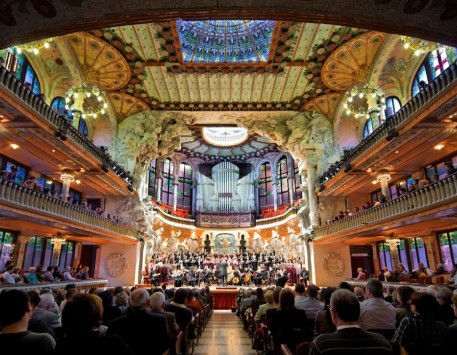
point(139, 299)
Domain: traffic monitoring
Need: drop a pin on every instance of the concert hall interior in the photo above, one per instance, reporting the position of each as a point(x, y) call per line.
point(156, 141)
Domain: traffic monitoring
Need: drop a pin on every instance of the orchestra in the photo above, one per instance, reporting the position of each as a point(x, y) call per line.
point(186, 268)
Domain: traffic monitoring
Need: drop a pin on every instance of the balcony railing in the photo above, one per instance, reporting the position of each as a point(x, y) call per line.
point(432, 195)
point(60, 124)
point(289, 213)
point(440, 83)
point(40, 203)
point(81, 285)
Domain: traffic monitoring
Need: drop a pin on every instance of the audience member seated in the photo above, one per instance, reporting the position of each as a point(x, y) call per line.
point(404, 294)
point(360, 275)
point(110, 311)
point(289, 325)
point(258, 301)
point(178, 306)
point(419, 333)
point(139, 324)
point(47, 311)
point(15, 313)
point(47, 276)
point(349, 338)
point(260, 315)
point(375, 313)
point(81, 319)
point(157, 300)
point(38, 325)
point(323, 322)
point(359, 293)
point(83, 274)
point(453, 327)
point(67, 274)
point(310, 304)
point(8, 277)
point(439, 269)
point(31, 277)
point(445, 312)
point(270, 313)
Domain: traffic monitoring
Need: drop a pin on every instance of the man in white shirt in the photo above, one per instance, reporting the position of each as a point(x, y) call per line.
point(375, 313)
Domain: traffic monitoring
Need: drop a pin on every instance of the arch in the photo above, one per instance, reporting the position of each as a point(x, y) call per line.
point(390, 17)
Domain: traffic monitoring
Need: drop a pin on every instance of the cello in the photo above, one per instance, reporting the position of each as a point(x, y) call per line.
point(247, 278)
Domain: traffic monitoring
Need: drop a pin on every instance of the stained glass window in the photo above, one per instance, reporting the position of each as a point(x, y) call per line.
point(393, 105)
point(214, 41)
point(18, 63)
point(418, 254)
point(298, 181)
point(266, 198)
point(385, 259)
point(448, 248)
point(283, 182)
point(58, 105)
point(167, 182)
point(372, 123)
point(184, 198)
point(7, 243)
point(82, 127)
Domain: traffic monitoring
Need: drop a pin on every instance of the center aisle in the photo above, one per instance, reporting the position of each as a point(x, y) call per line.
point(224, 335)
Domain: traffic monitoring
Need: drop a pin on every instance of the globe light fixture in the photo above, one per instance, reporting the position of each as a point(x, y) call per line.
point(419, 46)
point(34, 47)
point(362, 100)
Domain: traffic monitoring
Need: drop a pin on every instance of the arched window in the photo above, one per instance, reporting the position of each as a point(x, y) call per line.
point(393, 105)
point(372, 123)
point(266, 198)
point(58, 105)
point(184, 198)
point(152, 187)
point(433, 65)
point(167, 182)
point(283, 182)
point(82, 127)
point(26, 73)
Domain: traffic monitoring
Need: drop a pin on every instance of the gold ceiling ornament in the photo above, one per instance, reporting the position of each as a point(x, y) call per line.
point(419, 46)
point(67, 175)
point(86, 100)
point(34, 47)
point(58, 240)
point(363, 100)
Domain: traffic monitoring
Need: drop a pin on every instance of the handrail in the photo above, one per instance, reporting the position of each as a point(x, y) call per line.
point(438, 192)
point(173, 219)
point(11, 192)
point(18, 88)
point(81, 285)
point(441, 82)
point(292, 210)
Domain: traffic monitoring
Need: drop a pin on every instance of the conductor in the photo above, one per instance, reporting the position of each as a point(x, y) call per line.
point(223, 268)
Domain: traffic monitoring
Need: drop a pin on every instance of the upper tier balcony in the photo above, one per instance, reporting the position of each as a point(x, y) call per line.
point(424, 206)
point(21, 203)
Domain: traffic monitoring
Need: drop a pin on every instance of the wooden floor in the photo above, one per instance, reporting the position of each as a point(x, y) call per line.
point(224, 335)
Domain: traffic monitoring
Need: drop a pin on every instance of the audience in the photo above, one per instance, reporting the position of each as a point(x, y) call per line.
point(323, 321)
point(419, 330)
point(404, 294)
point(15, 313)
point(349, 338)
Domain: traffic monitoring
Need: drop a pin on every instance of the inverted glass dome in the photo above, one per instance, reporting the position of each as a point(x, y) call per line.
point(230, 41)
point(225, 136)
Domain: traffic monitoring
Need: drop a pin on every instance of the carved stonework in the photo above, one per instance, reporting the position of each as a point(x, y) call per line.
point(116, 264)
point(333, 264)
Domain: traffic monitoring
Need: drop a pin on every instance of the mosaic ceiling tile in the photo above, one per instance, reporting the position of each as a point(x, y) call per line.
point(225, 41)
point(326, 104)
point(100, 62)
point(126, 105)
point(351, 63)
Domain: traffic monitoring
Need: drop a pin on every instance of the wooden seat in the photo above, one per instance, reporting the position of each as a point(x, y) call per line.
point(303, 348)
point(285, 350)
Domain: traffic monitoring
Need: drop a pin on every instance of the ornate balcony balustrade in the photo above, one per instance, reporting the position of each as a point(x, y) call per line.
point(434, 195)
point(40, 204)
point(81, 285)
point(399, 119)
point(59, 123)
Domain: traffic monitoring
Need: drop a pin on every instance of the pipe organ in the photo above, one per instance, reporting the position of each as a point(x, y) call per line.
point(225, 192)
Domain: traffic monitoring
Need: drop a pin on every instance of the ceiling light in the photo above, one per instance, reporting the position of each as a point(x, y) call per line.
point(78, 181)
point(438, 146)
point(418, 45)
point(53, 150)
point(374, 182)
point(14, 146)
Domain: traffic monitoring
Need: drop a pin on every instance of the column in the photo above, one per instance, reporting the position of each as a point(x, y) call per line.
point(274, 182)
point(383, 177)
point(393, 248)
point(67, 177)
point(175, 194)
point(311, 169)
point(57, 241)
point(20, 247)
point(159, 188)
point(194, 194)
point(291, 178)
point(429, 243)
point(256, 194)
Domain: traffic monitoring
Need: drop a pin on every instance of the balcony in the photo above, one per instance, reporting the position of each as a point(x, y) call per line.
point(59, 124)
point(434, 200)
point(404, 116)
point(20, 200)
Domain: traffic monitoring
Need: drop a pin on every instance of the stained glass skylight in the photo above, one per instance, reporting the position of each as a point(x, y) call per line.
point(233, 41)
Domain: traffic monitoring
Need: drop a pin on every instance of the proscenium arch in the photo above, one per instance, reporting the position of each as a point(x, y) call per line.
point(418, 19)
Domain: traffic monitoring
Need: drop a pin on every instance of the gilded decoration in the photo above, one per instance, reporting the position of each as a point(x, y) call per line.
point(126, 105)
point(100, 62)
point(351, 63)
point(325, 104)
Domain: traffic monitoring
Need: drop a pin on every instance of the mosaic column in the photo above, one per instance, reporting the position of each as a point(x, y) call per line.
point(274, 182)
point(291, 188)
point(311, 178)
